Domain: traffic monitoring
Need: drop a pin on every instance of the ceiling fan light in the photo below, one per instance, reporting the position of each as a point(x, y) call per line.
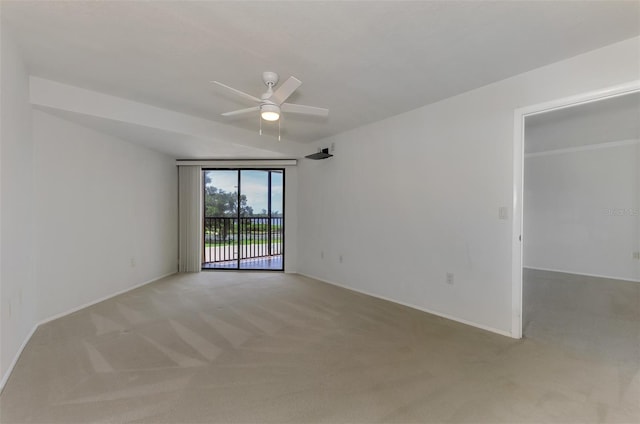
point(270, 112)
point(270, 116)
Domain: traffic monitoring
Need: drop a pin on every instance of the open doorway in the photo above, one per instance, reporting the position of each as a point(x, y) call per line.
point(581, 228)
point(243, 226)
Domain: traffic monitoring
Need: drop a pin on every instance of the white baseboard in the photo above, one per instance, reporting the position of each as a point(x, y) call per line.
point(7, 374)
point(103, 298)
point(564, 271)
point(419, 308)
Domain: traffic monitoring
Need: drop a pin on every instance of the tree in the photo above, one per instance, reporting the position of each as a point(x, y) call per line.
point(218, 204)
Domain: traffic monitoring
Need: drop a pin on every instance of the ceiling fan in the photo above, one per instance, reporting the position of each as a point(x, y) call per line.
point(272, 103)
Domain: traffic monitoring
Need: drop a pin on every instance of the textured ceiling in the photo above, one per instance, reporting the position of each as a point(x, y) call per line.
point(365, 61)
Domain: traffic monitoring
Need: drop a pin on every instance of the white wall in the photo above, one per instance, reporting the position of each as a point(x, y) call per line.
point(76, 207)
point(581, 211)
point(17, 285)
point(106, 214)
point(410, 198)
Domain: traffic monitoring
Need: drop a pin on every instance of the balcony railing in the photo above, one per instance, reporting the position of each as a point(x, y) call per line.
point(232, 238)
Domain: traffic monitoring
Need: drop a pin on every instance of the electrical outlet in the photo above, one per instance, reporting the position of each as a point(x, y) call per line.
point(133, 262)
point(636, 256)
point(340, 258)
point(332, 148)
point(449, 278)
point(322, 254)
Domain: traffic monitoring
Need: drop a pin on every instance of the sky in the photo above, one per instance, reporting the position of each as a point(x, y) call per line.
point(253, 184)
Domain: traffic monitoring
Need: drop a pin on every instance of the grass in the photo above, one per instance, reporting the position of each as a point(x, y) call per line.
point(243, 242)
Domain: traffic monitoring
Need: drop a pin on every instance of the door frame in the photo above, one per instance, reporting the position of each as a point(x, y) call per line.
point(518, 180)
point(204, 208)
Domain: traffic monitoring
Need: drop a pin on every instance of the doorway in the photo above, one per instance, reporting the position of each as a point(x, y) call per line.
point(243, 225)
point(581, 219)
point(518, 235)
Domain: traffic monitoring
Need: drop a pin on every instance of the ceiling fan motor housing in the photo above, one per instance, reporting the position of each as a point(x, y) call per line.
point(270, 107)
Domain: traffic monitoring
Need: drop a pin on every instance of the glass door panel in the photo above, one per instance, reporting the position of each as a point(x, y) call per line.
point(255, 221)
point(221, 219)
point(243, 219)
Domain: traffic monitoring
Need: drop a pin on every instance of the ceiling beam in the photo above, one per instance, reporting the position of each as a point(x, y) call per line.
point(51, 94)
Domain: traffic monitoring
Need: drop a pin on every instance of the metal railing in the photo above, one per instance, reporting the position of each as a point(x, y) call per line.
point(232, 238)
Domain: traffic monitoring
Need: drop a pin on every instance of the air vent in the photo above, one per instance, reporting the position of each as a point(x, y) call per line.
point(322, 154)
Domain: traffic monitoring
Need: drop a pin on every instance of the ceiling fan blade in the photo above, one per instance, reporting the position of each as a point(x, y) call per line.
point(238, 92)
point(242, 111)
point(285, 90)
point(306, 110)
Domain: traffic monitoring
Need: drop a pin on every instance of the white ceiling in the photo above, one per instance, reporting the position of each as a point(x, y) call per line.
point(365, 61)
point(605, 121)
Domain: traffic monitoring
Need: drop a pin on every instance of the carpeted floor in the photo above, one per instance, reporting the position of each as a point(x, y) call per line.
point(599, 317)
point(269, 347)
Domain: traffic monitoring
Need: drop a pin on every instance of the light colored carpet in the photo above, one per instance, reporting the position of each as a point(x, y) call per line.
point(269, 347)
point(596, 316)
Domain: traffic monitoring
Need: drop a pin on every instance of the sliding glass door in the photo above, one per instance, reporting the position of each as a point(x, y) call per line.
point(243, 219)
